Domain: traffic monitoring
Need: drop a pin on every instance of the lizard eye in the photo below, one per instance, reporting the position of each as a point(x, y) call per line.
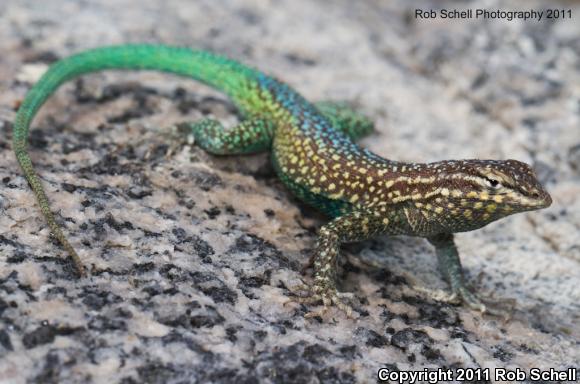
point(493, 183)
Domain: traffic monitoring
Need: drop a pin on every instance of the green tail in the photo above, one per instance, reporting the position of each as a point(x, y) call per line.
point(223, 74)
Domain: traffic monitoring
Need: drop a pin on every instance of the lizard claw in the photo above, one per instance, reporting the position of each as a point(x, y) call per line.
point(500, 308)
point(311, 294)
point(440, 295)
point(176, 136)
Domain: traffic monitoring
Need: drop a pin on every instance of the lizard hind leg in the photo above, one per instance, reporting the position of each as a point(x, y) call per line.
point(353, 226)
point(346, 119)
point(250, 136)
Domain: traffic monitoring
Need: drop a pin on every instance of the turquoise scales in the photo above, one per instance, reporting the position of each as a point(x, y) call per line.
point(314, 154)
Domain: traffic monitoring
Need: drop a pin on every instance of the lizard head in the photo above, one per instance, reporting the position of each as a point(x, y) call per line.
point(513, 184)
point(473, 193)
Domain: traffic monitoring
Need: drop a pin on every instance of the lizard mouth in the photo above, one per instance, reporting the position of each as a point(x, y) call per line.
point(545, 201)
point(539, 200)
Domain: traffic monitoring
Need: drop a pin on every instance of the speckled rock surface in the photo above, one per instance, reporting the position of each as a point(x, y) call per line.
point(190, 255)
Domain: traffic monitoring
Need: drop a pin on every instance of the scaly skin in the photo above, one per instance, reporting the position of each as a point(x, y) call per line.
point(314, 154)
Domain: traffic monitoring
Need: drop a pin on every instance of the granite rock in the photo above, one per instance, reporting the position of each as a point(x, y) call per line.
point(191, 256)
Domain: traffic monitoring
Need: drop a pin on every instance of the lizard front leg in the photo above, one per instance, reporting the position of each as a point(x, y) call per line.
point(450, 266)
point(354, 226)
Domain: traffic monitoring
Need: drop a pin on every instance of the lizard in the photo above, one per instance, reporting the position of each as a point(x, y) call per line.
point(315, 155)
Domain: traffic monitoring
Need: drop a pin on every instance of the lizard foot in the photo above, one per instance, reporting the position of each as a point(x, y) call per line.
point(176, 137)
point(311, 294)
point(501, 308)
